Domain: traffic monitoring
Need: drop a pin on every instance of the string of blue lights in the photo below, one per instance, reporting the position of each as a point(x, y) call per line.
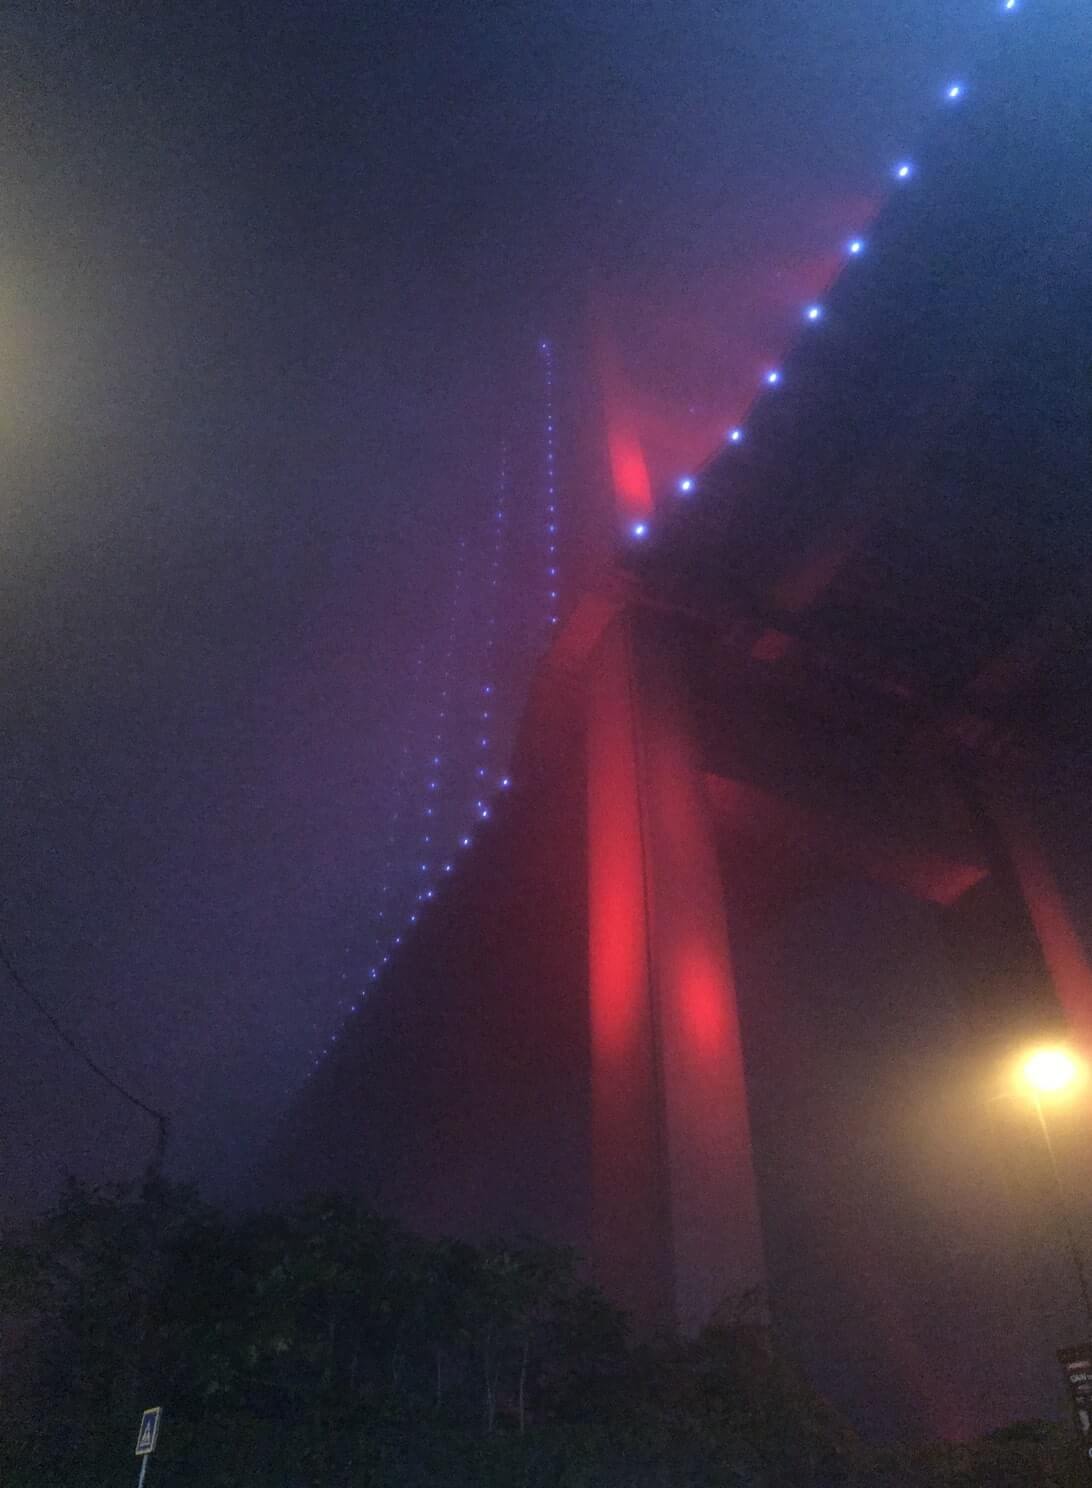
point(903, 171)
point(417, 789)
point(553, 586)
point(381, 893)
point(485, 743)
point(437, 802)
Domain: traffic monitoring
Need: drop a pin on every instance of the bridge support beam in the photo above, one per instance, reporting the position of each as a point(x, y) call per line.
point(676, 1229)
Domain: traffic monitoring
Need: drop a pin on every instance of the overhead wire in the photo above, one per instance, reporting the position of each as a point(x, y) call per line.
point(81, 1053)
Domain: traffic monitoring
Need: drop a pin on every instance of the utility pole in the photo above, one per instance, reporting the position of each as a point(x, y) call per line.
point(1066, 1218)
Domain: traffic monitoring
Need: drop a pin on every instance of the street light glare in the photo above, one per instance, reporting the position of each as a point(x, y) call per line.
point(1050, 1070)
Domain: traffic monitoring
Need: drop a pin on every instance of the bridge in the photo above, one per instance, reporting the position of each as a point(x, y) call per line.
point(810, 707)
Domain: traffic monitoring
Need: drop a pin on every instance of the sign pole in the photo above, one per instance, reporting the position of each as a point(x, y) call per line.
point(143, 1470)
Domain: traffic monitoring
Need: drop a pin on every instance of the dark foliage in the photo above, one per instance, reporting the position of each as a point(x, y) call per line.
point(321, 1344)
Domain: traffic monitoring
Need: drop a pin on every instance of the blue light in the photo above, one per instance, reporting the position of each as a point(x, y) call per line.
point(505, 782)
point(639, 529)
point(773, 377)
point(464, 841)
point(855, 246)
point(1009, 5)
point(735, 436)
point(813, 312)
point(413, 918)
point(686, 484)
point(904, 171)
point(447, 867)
point(954, 91)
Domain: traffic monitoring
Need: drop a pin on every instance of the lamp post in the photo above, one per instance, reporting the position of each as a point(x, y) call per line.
point(1055, 1071)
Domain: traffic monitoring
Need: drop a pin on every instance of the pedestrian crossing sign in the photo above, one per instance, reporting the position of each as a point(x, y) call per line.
point(149, 1431)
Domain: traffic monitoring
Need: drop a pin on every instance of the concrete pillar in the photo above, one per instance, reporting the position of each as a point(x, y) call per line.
point(676, 1224)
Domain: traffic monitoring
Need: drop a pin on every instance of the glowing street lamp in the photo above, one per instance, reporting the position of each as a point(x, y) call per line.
point(1050, 1070)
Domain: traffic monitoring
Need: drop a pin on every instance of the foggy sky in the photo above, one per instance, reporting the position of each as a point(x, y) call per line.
point(272, 278)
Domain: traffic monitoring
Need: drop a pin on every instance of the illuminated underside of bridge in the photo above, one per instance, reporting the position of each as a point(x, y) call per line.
point(830, 676)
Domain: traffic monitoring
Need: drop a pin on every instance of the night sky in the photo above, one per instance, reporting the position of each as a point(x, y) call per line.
point(273, 284)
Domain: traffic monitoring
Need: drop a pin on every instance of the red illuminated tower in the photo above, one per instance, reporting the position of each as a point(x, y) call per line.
point(850, 655)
